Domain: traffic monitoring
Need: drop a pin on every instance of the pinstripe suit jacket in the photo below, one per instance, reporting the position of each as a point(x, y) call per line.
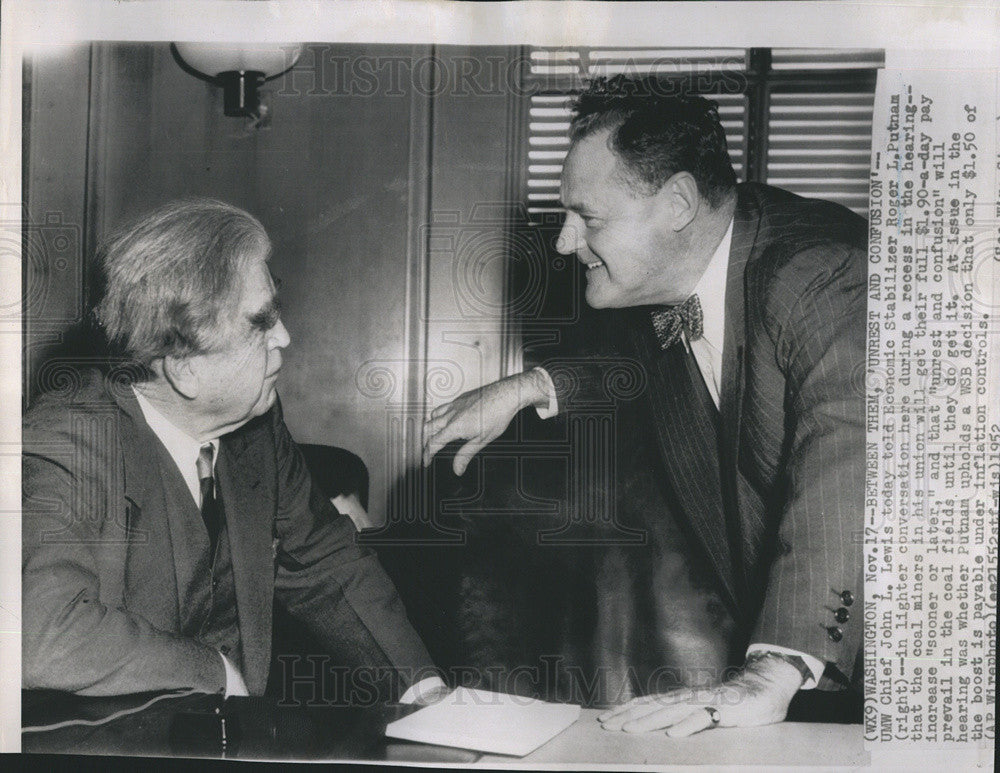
point(776, 496)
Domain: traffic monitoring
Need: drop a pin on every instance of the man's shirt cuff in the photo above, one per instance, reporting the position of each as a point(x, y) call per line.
point(419, 689)
point(552, 409)
point(234, 679)
point(815, 665)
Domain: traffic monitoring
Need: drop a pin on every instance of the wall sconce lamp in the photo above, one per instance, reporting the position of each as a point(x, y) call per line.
point(240, 69)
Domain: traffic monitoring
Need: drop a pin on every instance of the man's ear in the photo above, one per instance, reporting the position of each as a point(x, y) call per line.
point(181, 374)
point(681, 198)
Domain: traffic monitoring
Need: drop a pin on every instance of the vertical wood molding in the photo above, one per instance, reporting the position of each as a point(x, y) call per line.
point(758, 112)
point(511, 349)
point(119, 123)
point(97, 166)
point(25, 111)
point(417, 257)
point(27, 366)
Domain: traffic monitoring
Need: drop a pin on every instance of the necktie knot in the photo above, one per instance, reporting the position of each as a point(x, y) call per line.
point(205, 455)
point(209, 508)
point(670, 321)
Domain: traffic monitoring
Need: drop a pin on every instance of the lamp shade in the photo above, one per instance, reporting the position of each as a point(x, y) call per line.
point(240, 69)
point(213, 59)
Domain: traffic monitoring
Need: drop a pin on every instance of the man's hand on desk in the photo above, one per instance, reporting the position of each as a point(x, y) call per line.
point(759, 695)
point(481, 415)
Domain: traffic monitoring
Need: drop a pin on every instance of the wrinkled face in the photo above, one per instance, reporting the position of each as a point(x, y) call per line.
point(238, 383)
point(627, 240)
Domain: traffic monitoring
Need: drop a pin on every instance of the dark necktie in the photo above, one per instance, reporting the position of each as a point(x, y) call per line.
point(670, 321)
point(209, 505)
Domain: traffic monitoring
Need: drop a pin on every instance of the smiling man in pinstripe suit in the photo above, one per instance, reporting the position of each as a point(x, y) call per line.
point(746, 304)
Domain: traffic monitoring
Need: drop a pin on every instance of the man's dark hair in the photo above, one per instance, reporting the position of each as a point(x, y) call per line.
point(656, 133)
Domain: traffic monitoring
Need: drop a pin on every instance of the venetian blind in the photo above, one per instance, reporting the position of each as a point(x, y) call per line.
point(796, 118)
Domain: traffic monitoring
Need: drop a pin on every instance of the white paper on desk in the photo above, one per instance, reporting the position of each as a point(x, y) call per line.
point(486, 721)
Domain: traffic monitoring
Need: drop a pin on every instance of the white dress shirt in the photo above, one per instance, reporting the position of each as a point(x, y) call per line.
point(183, 448)
point(711, 292)
point(707, 351)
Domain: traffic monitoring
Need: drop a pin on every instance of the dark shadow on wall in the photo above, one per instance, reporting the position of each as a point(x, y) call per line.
point(590, 621)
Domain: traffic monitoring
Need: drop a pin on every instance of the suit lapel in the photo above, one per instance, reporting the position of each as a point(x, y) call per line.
point(150, 545)
point(687, 441)
point(249, 507)
point(746, 223)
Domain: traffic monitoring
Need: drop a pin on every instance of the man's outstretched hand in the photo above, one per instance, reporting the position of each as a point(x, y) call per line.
point(481, 415)
point(759, 695)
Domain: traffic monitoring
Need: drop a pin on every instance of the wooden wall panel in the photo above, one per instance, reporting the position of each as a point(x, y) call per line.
point(471, 196)
point(159, 133)
point(54, 198)
point(341, 175)
point(333, 187)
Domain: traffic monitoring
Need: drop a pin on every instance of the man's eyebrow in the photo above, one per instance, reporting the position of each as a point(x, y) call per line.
point(267, 316)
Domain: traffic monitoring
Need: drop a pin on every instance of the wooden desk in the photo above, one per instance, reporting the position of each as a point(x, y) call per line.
point(787, 743)
point(267, 731)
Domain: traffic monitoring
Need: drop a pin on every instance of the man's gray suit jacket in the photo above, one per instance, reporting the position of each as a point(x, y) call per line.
point(95, 527)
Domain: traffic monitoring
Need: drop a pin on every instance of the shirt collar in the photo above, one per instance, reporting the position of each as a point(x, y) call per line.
point(183, 448)
point(711, 292)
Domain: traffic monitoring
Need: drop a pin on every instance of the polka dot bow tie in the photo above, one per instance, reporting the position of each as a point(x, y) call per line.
point(669, 321)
